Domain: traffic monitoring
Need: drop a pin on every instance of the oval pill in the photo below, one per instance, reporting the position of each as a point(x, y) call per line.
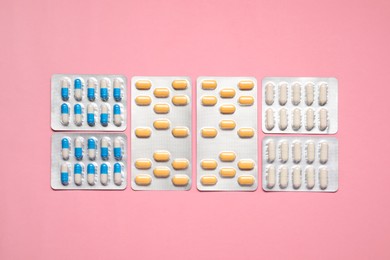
point(180, 132)
point(246, 180)
point(323, 119)
point(283, 94)
point(297, 152)
point(309, 94)
point(180, 100)
point(161, 92)
point(296, 177)
point(283, 151)
point(208, 164)
point(143, 132)
point(227, 156)
point(209, 100)
point(246, 164)
point(271, 177)
point(283, 119)
point(246, 84)
point(161, 124)
point(143, 84)
point(296, 94)
point(309, 119)
point(143, 164)
point(324, 152)
point(227, 109)
point(227, 93)
point(269, 94)
point(283, 177)
point(143, 180)
point(323, 94)
point(180, 180)
point(310, 180)
point(209, 84)
point(269, 121)
point(271, 151)
point(246, 100)
point(161, 172)
point(143, 100)
point(227, 172)
point(310, 152)
point(180, 164)
point(323, 175)
point(161, 156)
point(161, 108)
point(227, 124)
point(208, 180)
point(179, 84)
point(209, 132)
point(297, 120)
point(246, 132)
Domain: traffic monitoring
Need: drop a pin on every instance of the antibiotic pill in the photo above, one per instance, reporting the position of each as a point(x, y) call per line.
point(323, 119)
point(284, 152)
point(65, 114)
point(104, 149)
point(324, 152)
point(309, 94)
point(297, 151)
point(296, 94)
point(78, 94)
point(309, 119)
point(269, 94)
point(77, 174)
point(104, 89)
point(104, 115)
point(118, 148)
point(283, 94)
point(310, 152)
point(78, 149)
point(91, 89)
point(271, 177)
point(65, 148)
point(117, 90)
point(271, 151)
point(65, 89)
point(323, 94)
point(91, 174)
point(323, 178)
point(78, 117)
point(117, 115)
point(310, 181)
point(104, 174)
point(283, 119)
point(91, 115)
point(283, 177)
point(297, 120)
point(296, 178)
point(91, 149)
point(269, 121)
point(64, 174)
point(117, 174)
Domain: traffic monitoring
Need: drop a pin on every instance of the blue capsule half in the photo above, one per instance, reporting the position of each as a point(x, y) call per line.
point(65, 93)
point(64, 109)
point(65, 143)
point(91, 169)
point(117, 168)
point(77, 169)
point(104, 169)
point(77, 84)
point(91, 144)
point(117, 94)
point(77, 109)
point(117, 109)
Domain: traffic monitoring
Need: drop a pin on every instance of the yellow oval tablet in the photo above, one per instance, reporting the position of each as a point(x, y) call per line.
point(143, 100)
point(143, 180)
point(180, 100)
point(179, 84)
point(227, 172)
point(227, 93)
point(209, 132)
point(161, 92)
point(227, 156)
point(208, 180)
point(246, 165)
point(180, 132)
point(246, 84)
point(161, 124)
point(161, 108)
point(227, 109)
point(161, 172)
point(209, 84)
point(246, 132)
point(161, 156)
point(227, 124)
point(143, 164)
point(246, 180)
point(180, 164)
point(208, 164)
point(209, 100)
point(246, 101)
point(143, 84)
point(143, 132)
point(180, 180)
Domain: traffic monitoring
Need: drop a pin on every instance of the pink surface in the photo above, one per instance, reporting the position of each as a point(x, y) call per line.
point(346, 39)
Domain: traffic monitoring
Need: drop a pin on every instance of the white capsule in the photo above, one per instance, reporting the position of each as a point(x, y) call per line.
point(323, 119)
point(297, 152)
point(309, 94)
point(323, 94)
point(283, 119)
point(323, 178)
point(271, 177)
point(309, 119)
point(296, 178)
point(324, 152)
point(310, 180)
point(284, 151)
point(269, 94)
point(296, 94)
point(104, 179)
point(271, 153)
point(310, 152)
point(283, 177)
point(283, 94)
point(270, 122)
point(297, 120)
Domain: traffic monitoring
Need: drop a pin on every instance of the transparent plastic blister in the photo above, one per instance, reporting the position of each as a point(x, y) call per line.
point(161, 133)
point(308, 164)
point(89, 161)
point(300, 105)
point(227, 145)
point(88, 102)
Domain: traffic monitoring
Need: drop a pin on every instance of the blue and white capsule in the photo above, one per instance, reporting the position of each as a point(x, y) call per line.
point(118, 148)
point(104, 89)
point(65, 148)
point(77, 174)
point(91, 89)
point(117, 90)
point(78, 115)
point(65, 89)
point(91, 174)
point(91, 115)
point(104, 148)
point(117, 115)
point(104, 174)
point(117, 174)
point(104, 115)
point(78, 92)
point(65, 114)
point(64, 174)
point(78, 148)
point(91, 149)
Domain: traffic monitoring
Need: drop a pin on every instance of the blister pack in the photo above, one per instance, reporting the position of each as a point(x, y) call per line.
point(300, 164)
point(89, 161)
point(300, 105)
point(161, 133)
point(227, 134)
point(88, 102)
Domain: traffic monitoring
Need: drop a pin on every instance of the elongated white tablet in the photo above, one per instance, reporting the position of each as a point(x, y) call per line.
point(269, 94)
point(309, 119)
point(309, 94)
point(283, 178)
point(296, 177)
point(323, 119)
point(323, 175)
point(283, 119)
point(284, 151)
point(296, 94)
point(271, 151)
point(323, 152)
point(297, 120)
point(310, 152)
point(323, 94)
point(283, 94)
point(270, 121)
point(297, 151)
point(271, 177)
point(310, 180)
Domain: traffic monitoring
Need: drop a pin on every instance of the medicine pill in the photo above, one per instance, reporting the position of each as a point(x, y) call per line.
point(65, 89)
point(91, 174)
point(104, 115)
point(92, 149)
point(104, 89)
point(117, 92)
point(77, 174)
point(65, 148)
point(91, 115)
point(78, 115)
point(65, 114)
point(91, 89)
point(78, 94)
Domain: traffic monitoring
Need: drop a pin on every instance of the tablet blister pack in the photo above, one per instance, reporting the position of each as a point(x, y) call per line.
point(227, 134)
point(161, 133)
point(300, 164)
point(89, 161)
point(88, 102)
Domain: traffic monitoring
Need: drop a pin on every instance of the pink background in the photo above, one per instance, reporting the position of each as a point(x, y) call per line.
point(346, 39)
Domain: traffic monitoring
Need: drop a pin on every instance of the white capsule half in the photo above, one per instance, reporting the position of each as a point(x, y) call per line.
point(65, 119)
point(323, 175)
point(104, 179)
point(283, 94)
point(297, 152)
point(324, 152)
point(269, 121)
point(271, 151)
point(309, 94)
point(297, 120)
point(271, 177)
point(283, 119)
point(269, 94)
point(283, 151)
point(118, 178)
point(309, 119)
point(310, 152)
point(310, 180)
point(283, 177)
point(323, 94)
point(296, 94)
point(323, 119)
point(77, 179)
point(91, 179)
point(296, 177)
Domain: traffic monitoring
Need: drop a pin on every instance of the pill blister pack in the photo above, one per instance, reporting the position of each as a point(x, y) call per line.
point(89, 161)
point(300, 164)
point(227, 134)
point(88, 102)
point(303, 105)
point(161, 133)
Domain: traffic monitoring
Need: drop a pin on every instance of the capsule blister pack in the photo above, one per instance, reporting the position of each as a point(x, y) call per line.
point(89, 161)
point(161, 133)
point(300, 164)
point(88, 102)
point(227, 134)
point(300, 105)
